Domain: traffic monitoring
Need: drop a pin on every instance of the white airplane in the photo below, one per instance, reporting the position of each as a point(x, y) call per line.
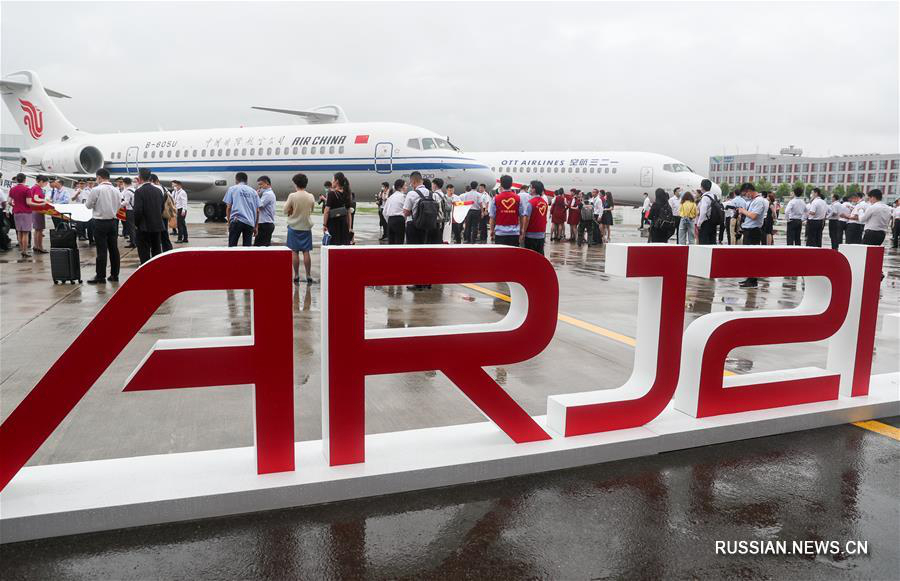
point(627, 174)
point(205, 160)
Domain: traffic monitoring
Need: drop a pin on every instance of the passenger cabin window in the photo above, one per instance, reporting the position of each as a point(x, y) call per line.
point(341, 149)
point(177, 153)
point(606, 170)
point(252, 151)
point(220, 153)
point(413, 144)
point(203, 153)
point(331, 149)
point(185, 153)
point(295, 151)
point(428, 143)
point(614, 170)
point(169, 153)
point(243, 151)
point(194, 153)
point(303, 151)
point(277, 151)
point(153, 154)
point(269, 151)
point(228, 152)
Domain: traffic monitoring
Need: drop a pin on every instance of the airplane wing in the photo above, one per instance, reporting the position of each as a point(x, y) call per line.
point(9, 85)
point(313, 116)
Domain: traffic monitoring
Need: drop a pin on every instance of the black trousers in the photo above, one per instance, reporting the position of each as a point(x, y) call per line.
point(4, 232)
point(382, 223)
point(128, 230)
point(473, 219)
point(413, 234)
point(164, 241)
point(148, 245)
point(853, 233)
point(506, 239)
point(456, 231)
point(835, 234)
point(794, 230)
point(752, 237)
point(107, 243)
point(536, 244)
point(814, 232)
point(182, 226)
point(396, 229)
point(240, 230)
point(483, 229)
point(707, 233)
point(895, 234)
point(874, 237)
point(264, 234)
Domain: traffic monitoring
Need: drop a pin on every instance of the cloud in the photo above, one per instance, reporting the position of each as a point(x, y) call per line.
point(685, 79)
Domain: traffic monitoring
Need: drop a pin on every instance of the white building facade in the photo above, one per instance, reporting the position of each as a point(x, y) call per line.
point(869, 171)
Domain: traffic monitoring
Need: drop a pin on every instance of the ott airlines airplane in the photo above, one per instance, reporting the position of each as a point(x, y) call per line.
point(627, 174)
point(205, 160)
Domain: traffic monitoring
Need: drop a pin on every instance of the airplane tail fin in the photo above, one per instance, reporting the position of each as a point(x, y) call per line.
point(36, 114)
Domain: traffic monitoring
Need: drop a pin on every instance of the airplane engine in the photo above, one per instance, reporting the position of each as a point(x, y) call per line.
point(68, 159)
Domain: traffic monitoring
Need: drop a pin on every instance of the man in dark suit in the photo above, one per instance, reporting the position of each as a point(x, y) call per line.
point(148, 209)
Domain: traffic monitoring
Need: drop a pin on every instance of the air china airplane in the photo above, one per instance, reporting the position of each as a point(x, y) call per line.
point(205, 160)
point(627, 174)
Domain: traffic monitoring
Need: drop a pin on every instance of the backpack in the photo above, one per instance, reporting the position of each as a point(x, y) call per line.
point(587, 212)
point(716, 211)
point(665, 220)
point(446, 208)
point(426, 214)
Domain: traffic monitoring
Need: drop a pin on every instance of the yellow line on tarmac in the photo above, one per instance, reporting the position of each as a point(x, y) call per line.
point(630, 341)
point(880, 428)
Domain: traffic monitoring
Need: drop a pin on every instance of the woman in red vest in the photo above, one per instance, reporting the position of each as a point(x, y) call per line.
point(573, 203)
point(558, 216)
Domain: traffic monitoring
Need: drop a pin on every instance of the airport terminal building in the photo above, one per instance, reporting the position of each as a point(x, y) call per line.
point(871, 170)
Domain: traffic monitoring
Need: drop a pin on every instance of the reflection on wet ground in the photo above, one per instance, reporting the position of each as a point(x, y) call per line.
point(644, 518)
point(650, 518)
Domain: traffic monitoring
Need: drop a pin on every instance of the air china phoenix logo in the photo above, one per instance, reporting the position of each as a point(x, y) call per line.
point(34, 119)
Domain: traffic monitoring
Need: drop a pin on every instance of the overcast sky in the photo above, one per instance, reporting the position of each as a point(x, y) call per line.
point(684, 79)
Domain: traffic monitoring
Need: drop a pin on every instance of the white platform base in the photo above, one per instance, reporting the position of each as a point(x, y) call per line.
point(64, 499)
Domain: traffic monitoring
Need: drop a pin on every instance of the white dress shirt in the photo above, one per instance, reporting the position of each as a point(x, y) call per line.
point(859, 210)
point(877, 217)
point(818, 209)
point(128, 198)
point(674, 203)
point(104, 200)
point(796, 209)
point(394, 204)
point(835, 210)
point(181, 199)
point(845, 214)
point(703, 208)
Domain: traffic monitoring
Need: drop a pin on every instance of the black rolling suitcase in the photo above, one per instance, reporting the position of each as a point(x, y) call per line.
point(65, 265)
point(64, 236)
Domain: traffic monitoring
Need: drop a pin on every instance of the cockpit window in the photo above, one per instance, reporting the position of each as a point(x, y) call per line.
point(443, 144)
point(413, 144)
point(428, 143)
point(676, 167)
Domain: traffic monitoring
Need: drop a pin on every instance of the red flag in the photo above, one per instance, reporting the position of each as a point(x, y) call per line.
point(362, 139)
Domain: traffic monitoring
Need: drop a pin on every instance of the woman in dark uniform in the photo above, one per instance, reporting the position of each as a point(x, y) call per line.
point(337, 211)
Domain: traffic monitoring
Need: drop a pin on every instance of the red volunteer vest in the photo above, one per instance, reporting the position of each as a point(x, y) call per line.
point(507, 209)
point(538, 220)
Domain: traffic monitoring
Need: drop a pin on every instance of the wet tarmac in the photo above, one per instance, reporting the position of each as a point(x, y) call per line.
point(643, 518)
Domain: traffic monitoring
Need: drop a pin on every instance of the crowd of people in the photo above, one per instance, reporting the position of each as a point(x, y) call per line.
point(131, 204)
point(419, 211)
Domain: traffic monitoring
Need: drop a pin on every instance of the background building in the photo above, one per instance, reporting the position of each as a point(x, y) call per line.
point(868, 171)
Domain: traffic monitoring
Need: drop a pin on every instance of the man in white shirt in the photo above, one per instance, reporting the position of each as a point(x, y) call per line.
point(675, 201)
point(706, 228)
point(128, 231)
point(835, 227)
point(181, 201)
point(795, 212)
point(815, 219)
point(105, 200)
point(596, 236)
point(876, 219)
point(456, 228)
point(895, 228)
point(393, 213)
point(854, 230)
point(645, 207)
point(473, 216)
point(486, 198)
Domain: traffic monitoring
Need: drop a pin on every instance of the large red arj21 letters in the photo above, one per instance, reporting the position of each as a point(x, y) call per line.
point(662, 270)
point(350, 353)
point(701, 391)
point(265, 358)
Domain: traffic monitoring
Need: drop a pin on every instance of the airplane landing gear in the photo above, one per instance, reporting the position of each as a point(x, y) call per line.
point(214, 211)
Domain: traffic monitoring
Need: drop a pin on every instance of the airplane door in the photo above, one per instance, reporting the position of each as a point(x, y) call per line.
point(384, 157)
point(131, 160)
point(646, 177)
